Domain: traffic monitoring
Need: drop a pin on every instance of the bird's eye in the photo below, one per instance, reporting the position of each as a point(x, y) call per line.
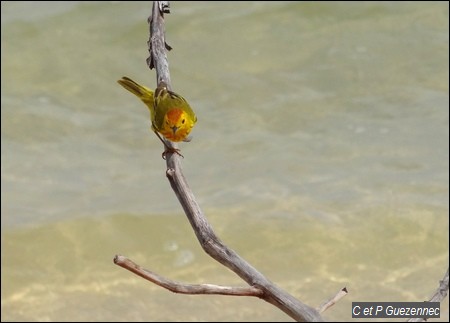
point(182, 121)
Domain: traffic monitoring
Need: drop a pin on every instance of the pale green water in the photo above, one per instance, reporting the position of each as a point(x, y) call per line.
point(320, 155)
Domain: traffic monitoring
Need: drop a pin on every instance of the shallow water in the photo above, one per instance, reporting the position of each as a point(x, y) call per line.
point(320, 155)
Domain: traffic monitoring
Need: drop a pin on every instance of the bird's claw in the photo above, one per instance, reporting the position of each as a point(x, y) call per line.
point(171, 151)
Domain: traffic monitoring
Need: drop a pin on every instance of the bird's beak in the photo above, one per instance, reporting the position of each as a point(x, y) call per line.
point(174, 129)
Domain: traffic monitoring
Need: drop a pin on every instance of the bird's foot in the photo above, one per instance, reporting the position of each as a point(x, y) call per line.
point(170, 150)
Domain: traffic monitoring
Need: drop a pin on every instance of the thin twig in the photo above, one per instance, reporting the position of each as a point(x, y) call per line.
point(182, 288)
point(333, 300)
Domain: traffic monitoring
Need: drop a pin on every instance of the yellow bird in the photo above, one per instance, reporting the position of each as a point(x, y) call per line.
point(170, 114)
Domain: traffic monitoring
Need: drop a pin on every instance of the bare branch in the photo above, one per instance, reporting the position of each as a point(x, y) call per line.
point(336, 298)
point(438, 296)
point(203, 230)
point(442, 290)
point(229, 258)
point(157, 44)
point(177, 287)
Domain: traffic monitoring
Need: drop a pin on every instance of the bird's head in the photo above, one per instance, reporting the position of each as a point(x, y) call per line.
point(177, 125)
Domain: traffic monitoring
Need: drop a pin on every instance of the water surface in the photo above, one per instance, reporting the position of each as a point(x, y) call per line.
point(320, 156)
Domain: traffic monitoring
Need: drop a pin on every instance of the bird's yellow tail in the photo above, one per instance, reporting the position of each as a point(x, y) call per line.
point(142, 92)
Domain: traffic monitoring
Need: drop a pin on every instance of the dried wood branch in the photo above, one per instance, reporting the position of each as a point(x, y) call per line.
point(181, 288)
point(441, 291)
point(333, 300)
point(210, 243)
point(438, 296)
point(157, 42)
